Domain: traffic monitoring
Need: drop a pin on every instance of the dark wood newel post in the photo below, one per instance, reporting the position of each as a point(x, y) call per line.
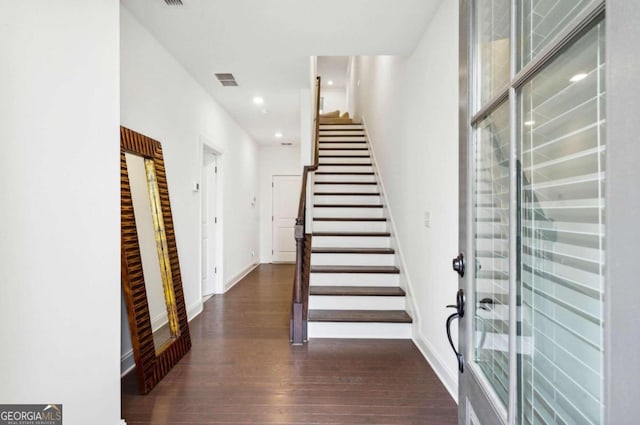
point(298, 334)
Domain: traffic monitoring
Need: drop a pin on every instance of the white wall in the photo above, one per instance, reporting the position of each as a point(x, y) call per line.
point(334, 100)
point(274, 160)
point(60, 208)
point(161, 100)
point(410, 107)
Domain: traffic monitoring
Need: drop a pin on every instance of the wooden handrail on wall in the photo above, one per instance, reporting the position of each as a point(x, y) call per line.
point(299, 307)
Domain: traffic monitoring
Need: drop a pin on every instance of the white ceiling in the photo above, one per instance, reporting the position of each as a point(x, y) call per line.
point(334, 69)
point(266, 44)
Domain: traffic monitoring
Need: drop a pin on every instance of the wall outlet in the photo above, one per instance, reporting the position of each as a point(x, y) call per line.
point(253, 253)
point(427, 219)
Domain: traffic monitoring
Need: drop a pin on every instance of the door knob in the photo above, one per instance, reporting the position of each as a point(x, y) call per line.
point(459, 306)
point(458, 264)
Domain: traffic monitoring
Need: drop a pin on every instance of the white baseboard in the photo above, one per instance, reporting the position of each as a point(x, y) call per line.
point(127, 363)
point(194, 310)
point(159, 321)
point(237, 278)
point(448, 378)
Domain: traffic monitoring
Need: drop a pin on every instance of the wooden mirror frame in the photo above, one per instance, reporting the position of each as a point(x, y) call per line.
point(151, 366)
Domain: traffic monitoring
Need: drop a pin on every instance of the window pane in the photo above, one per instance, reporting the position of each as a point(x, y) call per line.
point(492, 34)
point(540, 21)
point(491, 243)
point(562, 238)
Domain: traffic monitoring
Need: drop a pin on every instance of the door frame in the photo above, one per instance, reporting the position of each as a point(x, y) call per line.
point(472, 382)
point(207, 147)
point(621, 335)
point(621, 370)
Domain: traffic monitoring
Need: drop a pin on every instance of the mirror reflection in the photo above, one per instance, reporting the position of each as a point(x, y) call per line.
point(153, 250)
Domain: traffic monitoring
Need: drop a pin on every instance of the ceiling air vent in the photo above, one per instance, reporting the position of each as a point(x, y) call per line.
point(173, 2)
point(286, 144)
point(227, 79)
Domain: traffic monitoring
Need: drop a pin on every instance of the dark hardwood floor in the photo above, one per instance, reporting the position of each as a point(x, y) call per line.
point(242, 370)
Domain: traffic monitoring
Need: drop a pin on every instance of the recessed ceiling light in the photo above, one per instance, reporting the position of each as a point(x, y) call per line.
point(330, 82)
point(578, 77)
point(278, 135)
point(258, 100)
point(529, 123)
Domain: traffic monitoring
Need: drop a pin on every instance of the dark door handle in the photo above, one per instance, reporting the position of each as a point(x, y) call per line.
point(459, 306)
point(458, 264)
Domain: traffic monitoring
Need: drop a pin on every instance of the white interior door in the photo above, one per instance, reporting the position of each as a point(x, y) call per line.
point(286, 194)
point(209, 223)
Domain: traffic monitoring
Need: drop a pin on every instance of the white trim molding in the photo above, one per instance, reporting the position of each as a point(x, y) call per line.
point(237, 278)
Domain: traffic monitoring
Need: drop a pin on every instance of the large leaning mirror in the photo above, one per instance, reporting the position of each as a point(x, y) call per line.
point(151, 281)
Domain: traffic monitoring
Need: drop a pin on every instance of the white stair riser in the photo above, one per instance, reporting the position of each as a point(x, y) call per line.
point(342, 139)
point(349, 226)
point(344, 160)
point(346, 200)
point(335, 259)
point(343, 152)
point(345, 168)
point(355, 279)
point(341, 302)
point(359, 330)
point(352, 212)
point(344, 178)
point(333, 145)
point(325, 132)
point(341, 127)
point(350, 242)
point(341, 188)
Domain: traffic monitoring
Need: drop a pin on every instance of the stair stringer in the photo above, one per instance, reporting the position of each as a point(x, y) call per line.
point(447, 376)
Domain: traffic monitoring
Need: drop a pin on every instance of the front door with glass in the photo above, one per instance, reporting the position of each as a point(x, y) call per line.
point(532, 153)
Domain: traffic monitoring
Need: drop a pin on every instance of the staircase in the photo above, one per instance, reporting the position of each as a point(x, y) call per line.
point(354, 284)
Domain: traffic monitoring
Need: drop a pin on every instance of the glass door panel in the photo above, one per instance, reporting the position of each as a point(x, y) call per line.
point(540, 21)
point(491, 246)
point(492, 23)
point(561, 232)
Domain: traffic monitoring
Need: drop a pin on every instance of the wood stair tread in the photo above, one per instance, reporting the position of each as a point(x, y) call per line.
point(367, 316)
point(347, 193)
point(347, 205)
point(349, 219)
point(342, 139)
point(355, 269)
point(351, 173)
point(354, 234)
point(344, 156)
point(344, 149)
point(348, 183)
point(349, 164)
point(337, 250)
point(367, 291)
